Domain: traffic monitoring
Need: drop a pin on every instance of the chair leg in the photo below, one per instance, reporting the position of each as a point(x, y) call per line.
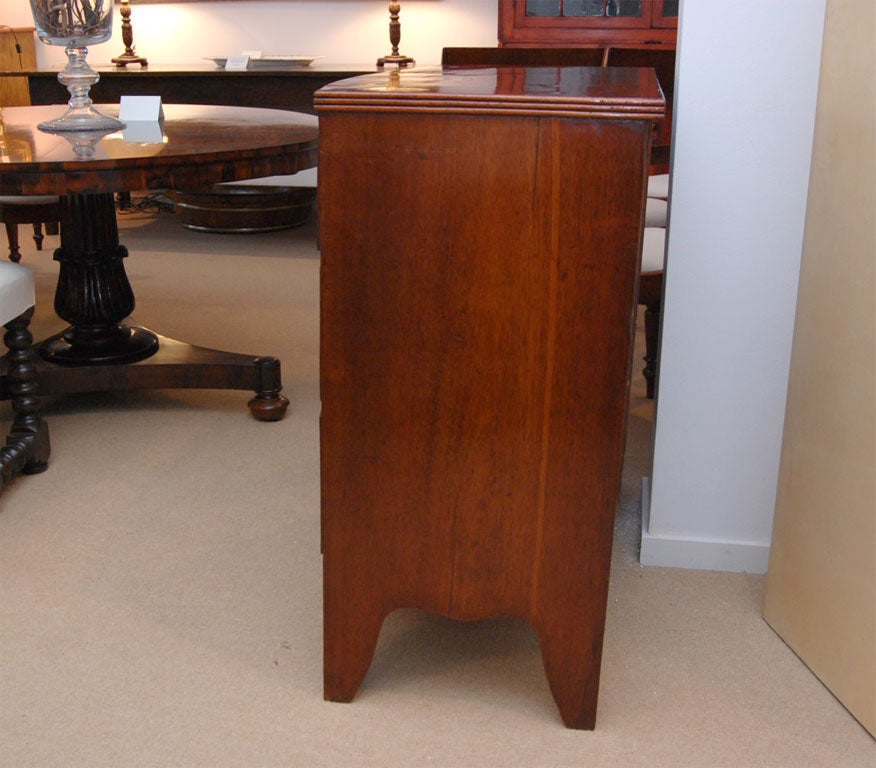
point(38, 235)
point(652, 331)
point(12, 237)
point(27, 445)
point(52, 228)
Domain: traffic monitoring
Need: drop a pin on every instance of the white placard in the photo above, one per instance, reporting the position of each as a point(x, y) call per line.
point(141, 108)
point(143, 132)
point(237, 62)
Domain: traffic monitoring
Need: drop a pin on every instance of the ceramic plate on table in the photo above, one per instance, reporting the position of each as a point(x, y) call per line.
point(270, 62)
point(283, 61)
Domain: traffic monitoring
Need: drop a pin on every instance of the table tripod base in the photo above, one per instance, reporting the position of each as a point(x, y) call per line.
point(174, 365)
point(127, 344)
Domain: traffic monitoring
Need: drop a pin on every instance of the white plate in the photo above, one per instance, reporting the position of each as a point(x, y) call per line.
point(270, 62)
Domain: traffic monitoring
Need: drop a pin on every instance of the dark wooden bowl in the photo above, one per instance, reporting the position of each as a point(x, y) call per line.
point(243, 208)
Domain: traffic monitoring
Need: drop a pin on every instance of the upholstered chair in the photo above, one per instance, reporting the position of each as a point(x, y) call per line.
point(26, 448)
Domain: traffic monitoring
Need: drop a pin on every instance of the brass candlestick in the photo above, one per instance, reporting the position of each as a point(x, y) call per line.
point(394, 37)
point(129, 56)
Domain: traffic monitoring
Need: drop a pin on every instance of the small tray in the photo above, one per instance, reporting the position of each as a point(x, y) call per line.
point(270, 62)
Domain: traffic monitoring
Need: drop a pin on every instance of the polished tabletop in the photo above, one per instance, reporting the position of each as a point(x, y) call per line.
point(193, 145)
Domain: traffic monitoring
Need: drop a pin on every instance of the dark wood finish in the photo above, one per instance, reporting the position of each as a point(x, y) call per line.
point(523, 57)
point(203, 145)
point(651, 297)
point(14, 213)
point(27, 445)
point(653, 29)
point(202, 83)
point(243, 207)
point(662, 61)
point(476, 351)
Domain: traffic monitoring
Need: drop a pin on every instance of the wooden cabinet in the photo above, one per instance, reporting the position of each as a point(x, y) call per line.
point(588, 22)
point(665, 14)
point(199, 83)
point(481, 233)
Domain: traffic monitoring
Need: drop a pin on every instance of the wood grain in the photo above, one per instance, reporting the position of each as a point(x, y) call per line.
point(478, 296)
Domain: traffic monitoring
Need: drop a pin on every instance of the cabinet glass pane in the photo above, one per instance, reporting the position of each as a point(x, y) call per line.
point(592, 8)
point(543, 7)
point(584, 8)
point(623, 8)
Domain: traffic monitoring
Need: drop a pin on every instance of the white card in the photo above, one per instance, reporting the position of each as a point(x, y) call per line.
point(140, 108)
point(143, 132)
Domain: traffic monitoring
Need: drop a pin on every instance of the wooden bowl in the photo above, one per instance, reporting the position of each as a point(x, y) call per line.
point(243, 208)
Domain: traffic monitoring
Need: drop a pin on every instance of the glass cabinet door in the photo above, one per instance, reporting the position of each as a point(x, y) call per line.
point(603, 23)
point(584, 13)
point(601, 9)
point(665, 13)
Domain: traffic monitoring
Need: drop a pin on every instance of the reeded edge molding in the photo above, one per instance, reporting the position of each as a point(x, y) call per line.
point(445, 107)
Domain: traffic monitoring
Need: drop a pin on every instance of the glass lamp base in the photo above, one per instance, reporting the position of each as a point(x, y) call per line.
point(82, 119)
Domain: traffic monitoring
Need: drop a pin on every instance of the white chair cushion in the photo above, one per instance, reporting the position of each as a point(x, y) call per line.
point(655, 212)
point(658, 186)
point(16, 290)
point(653, 249)
point(27, 199)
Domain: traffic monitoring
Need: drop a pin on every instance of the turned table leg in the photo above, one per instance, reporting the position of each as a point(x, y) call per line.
point(93, 292)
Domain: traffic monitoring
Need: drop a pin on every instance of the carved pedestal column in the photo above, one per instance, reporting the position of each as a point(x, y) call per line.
point(93, 292)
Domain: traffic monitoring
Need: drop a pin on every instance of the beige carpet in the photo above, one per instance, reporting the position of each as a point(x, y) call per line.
point(161, 585)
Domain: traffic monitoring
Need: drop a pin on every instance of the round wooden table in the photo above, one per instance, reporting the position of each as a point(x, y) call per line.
point(196, 145)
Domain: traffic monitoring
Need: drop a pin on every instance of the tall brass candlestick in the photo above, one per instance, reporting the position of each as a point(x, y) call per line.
point(129, 56)
point(394, 37)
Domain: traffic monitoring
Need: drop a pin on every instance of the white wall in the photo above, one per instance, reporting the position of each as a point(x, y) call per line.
point(343, 31)
point(747, 83)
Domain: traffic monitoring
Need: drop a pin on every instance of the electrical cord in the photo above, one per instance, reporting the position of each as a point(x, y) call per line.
point(153, 202)
point(18, 48)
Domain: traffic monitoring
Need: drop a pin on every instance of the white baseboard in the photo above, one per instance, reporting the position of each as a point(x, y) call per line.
point(698, 554)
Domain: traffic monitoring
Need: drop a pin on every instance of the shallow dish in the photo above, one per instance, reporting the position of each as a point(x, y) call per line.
point(269, 62)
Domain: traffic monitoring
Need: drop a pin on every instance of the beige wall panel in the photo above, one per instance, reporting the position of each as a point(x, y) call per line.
point(821, 585)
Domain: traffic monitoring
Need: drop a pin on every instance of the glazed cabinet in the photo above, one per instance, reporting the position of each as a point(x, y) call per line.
point(602, 23)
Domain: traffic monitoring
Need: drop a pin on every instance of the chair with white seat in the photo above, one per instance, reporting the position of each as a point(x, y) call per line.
point(656, 212)
point(658, 186)
point(35, 210)
point(27, 445)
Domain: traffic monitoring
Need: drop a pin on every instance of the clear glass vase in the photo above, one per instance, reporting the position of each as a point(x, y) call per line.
point(76, 24)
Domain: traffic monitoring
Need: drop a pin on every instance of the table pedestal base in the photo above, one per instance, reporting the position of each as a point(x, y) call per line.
point(175, 365)
point(99, 353)
point(126, 344)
